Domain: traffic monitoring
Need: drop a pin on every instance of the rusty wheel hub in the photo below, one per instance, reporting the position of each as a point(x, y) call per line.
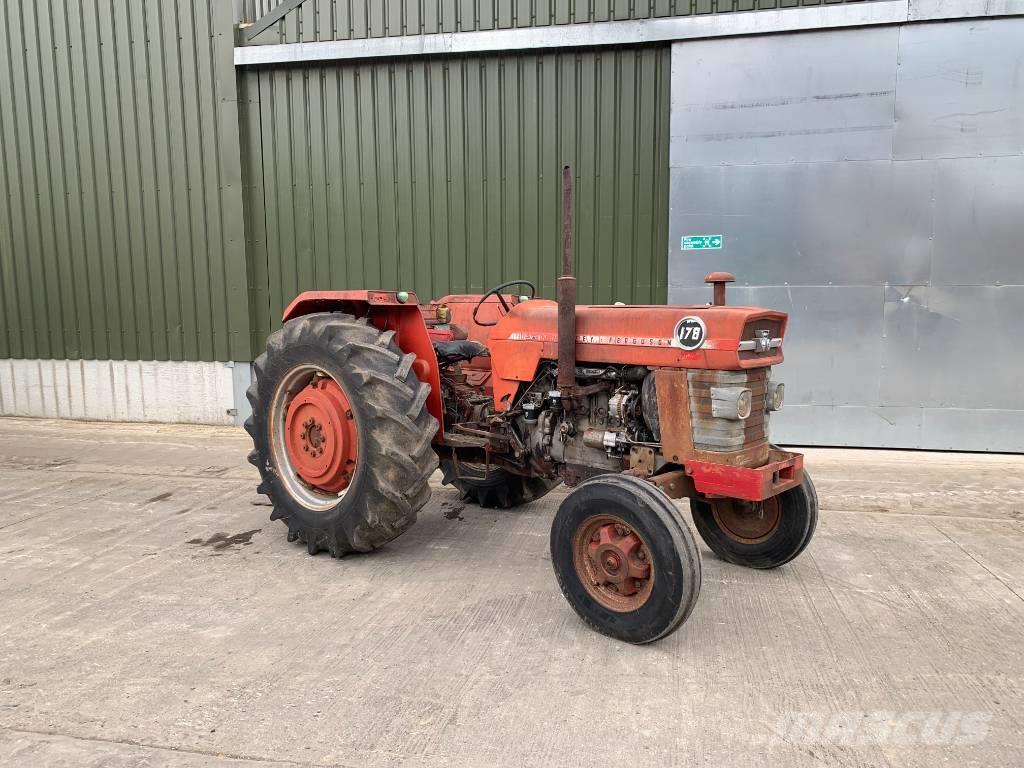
point(613, 563)
point(747, 522)
point(320, 435)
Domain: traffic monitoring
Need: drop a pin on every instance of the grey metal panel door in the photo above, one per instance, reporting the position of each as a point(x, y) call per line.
point(869, 183)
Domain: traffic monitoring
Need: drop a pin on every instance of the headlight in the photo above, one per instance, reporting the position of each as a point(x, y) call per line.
point(776, 395)
point(743, 403)
point(730, 403)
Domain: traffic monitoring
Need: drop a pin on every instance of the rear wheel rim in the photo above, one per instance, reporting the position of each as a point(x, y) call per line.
point(613, 563)
point(747, 522)
point(314, 436)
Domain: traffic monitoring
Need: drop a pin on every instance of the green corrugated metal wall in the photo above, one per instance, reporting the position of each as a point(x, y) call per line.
point(120, 206)
point(443, 175)
point(355, 19)
point(121, 167)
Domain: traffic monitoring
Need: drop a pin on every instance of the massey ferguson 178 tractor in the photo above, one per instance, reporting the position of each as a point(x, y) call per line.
point(363, 393)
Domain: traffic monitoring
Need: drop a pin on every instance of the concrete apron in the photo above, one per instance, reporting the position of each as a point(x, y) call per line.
point(150, 612)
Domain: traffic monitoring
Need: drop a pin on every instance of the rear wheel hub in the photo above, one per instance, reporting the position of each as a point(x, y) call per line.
point(320, 435)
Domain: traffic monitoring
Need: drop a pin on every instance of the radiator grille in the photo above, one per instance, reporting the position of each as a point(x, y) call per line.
point(746, 440)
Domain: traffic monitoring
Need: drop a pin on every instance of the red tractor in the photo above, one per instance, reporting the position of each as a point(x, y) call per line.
point(362, 394)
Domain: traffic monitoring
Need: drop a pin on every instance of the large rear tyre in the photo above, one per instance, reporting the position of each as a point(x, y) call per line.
point(496, 489)
point(341, 433)
point(763, 534)
point(624, 558)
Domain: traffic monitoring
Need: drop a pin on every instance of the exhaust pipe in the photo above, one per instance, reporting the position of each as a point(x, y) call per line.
point(566, 288)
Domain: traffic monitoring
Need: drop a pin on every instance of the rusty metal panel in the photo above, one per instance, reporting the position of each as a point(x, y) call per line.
point(960, 90)
point(832, 97)
point(120, 211)
point(442, 176)
point(673, 389)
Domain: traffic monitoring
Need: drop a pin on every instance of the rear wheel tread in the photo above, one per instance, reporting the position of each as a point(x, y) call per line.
point(419, 400)
point(405, 366)
point(396, 433)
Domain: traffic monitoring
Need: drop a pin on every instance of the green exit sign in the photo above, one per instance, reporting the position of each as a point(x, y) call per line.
point(701, 242)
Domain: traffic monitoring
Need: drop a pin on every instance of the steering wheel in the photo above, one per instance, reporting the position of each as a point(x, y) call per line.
point(496, 291)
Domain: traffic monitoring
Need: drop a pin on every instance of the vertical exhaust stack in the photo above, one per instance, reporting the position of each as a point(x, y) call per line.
point(567, 300)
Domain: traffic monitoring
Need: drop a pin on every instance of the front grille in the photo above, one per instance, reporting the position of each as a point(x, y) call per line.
point(746, 441)
point(767, 326)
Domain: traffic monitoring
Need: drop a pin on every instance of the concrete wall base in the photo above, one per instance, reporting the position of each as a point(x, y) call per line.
point(119, 390)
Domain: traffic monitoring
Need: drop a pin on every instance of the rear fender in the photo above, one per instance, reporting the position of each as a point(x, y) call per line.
point(387, 313)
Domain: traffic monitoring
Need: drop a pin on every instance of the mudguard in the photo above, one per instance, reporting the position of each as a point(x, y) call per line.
point(385, 312)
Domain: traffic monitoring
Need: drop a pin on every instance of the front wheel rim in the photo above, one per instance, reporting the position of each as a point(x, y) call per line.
point(314, 437)
point(613, 563)
point(747, 522)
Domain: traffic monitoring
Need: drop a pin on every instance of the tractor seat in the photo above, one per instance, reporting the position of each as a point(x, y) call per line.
point(449, 352)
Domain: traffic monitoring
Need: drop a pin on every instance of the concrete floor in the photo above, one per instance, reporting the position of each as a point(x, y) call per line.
point(150, 613)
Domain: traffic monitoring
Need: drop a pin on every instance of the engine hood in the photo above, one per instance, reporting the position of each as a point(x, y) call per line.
point(702, 336)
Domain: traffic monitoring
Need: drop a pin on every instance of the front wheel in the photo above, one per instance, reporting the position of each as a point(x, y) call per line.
point(763, 534)
point(624, 558)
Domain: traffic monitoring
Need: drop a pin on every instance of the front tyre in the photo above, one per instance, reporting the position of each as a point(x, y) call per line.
point(341, 433)
point(624, 558)
point(763, 534)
